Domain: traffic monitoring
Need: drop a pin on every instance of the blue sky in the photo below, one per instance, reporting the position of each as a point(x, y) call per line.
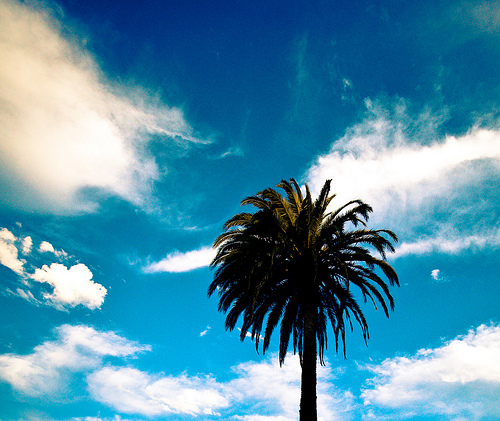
point(130, 131)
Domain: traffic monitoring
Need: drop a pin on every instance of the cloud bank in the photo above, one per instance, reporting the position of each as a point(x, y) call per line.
point(66, 133)
point(457, 380)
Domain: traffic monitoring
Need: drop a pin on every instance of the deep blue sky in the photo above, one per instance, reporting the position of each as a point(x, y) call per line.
point(130, 131)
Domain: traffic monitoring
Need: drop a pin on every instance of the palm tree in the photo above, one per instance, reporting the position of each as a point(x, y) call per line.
point(292, 263)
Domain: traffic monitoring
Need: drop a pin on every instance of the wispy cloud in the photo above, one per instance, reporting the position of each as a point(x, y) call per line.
point(65, 130)
point(182, 262)
point(397, 162)
point(449, 243)
point(459, 379)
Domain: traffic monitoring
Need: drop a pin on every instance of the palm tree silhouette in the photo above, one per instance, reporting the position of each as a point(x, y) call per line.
point(293, 263)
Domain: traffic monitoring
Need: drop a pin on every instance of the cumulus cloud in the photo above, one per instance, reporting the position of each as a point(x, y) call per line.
point(399, 164)
point(49, 370)
point(72, 287)
point(66, 130)
point(459, 379)
point(182, 262)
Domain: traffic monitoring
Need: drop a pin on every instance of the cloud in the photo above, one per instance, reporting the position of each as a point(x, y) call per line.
point(26, 295)
point(8, 252)
point(459, 379)
point(258, 389)
point(275, 390)
point(132, 391)
point(49, 370)
point(482, 16)
point(65, 131)
point(45, 246)
point(449, 243)
point(204, 332)
point(72, 287)
point(398, 163)
point(79, 360)
point(27, 245)
point(182, 262)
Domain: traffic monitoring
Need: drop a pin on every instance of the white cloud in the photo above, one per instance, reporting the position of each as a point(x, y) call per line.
point(449, 243)
point(482, 16)
point(27, 245)
point(72, 287)
point(132, 391)
point(9, 252)
point(203, 333)
point(278, 390)
point(401, 166)
point(45, 246)
point(49, 370)
point(26, 295)
point(183, 262)
point(458, 379)
point(264, 418)
point(436, 274)
point(78, 360)
point(64, 128)
point(257, 386)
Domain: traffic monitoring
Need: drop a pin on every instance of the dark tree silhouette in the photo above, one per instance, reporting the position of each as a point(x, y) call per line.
point(293, 264)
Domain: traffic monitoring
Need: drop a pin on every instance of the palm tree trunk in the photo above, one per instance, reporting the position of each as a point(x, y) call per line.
point(308, 404)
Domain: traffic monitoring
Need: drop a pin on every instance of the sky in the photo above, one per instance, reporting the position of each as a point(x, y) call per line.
point(130, 132)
